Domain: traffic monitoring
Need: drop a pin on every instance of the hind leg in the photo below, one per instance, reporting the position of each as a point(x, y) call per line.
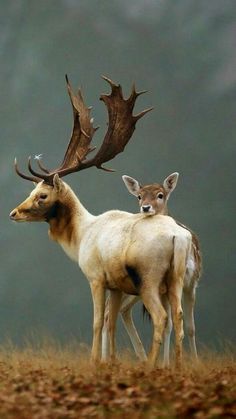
point(189, 303)
point(105, 332)
point(152, 302)
point(167, 331)
point(175, 296)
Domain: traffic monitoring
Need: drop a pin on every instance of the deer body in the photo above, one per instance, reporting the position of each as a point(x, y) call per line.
point(110, 249)
point(153, 200)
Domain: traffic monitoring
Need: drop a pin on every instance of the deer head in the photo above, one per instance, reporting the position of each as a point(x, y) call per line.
point(42, 203)
point(121, 125)
point(152, 198)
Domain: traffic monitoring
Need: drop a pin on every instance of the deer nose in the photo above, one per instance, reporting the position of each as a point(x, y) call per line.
point(146, 208)
point(13, 214)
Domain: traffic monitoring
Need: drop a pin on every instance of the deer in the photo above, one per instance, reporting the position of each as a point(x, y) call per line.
point(153, 199)
point(116, 250)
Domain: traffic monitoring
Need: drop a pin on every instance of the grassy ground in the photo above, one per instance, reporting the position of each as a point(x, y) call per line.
point(50, 382)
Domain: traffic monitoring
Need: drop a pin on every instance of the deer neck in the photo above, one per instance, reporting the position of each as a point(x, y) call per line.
point(68, 219)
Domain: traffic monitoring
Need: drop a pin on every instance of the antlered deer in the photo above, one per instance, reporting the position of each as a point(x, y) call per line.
point(116, 250)
point(153, 200)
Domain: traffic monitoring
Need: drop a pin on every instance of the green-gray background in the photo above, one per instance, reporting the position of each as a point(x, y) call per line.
point(183, 53)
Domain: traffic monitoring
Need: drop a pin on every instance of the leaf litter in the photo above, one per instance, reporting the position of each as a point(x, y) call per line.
point(58, 384)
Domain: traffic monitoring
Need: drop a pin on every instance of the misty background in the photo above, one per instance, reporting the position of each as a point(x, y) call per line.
point(183, 53)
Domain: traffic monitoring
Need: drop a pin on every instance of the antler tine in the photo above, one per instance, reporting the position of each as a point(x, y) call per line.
point(27, 177)
point(43, 176)
point(135, 94)
point(116, 89)
point(141, 114)
point(42, 167)
point(109, 81)
point(106, 169)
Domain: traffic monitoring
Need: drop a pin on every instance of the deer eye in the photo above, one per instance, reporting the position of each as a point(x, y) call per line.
point(160, 195)
point(43, 196)
point(139, 197)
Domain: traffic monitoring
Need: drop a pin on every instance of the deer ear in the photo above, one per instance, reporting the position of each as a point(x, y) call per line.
point(57, 183)
point(131, 184)
point(170, 183)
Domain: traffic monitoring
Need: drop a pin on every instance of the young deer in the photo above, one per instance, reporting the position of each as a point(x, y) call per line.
point(119, 251)
point(153, 200)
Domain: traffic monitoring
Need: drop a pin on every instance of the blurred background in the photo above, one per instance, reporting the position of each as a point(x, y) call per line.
point(183, 53)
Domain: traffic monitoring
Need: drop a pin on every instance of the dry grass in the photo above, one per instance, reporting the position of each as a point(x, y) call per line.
point(50, 382)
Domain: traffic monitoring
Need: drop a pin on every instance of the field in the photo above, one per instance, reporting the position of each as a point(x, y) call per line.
point(49, 382)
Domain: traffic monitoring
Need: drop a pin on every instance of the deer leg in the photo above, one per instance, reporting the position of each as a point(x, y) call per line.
point(175, 295)
point(127, 303)
point(189, 302)
point(98, 295)
point(105, 332)
point(126, 314)
point(114, 307)
point(158, 314)
point(167, 331)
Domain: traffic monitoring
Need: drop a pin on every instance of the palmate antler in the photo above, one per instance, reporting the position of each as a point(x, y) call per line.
point(121, 126)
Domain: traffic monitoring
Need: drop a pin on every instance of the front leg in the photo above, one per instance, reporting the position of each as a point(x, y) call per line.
point(127, 303)
point(98, 295)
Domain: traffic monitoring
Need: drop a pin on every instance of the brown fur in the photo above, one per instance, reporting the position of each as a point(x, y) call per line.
point(148, 194)
point(60, 219)
point(196, 250)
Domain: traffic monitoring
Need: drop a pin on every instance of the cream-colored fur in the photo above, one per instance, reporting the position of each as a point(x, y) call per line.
point(150, 198)
point(110, 246)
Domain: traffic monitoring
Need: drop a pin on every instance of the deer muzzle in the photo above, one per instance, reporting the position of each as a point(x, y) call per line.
point(22, 213)
point(147, 209)
point(15, 215)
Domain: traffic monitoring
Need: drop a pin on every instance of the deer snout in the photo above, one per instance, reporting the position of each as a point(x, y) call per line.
point(16, 215)
point(145, 208)
point(13, 214)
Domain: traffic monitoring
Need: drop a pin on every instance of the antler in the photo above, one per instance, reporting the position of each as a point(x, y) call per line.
point(27, 177)
point(121, 124)
point(120, 129)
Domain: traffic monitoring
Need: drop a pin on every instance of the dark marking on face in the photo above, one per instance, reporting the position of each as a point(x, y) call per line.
point(52, 212)
point(60, 218)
